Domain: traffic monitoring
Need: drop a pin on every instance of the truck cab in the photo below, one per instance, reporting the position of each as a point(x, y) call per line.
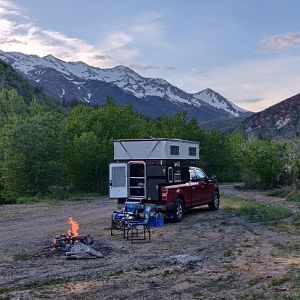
point(200, 190)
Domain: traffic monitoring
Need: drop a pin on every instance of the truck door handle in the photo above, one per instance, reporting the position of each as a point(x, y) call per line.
point(193, 188)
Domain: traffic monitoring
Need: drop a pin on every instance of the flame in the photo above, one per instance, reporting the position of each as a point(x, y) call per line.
point(74, 231)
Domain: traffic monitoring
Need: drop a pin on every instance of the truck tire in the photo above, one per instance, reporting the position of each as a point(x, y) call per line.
point(214, 205)
point(178, 210)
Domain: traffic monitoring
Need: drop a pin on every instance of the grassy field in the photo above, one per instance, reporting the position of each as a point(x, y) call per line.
point(256, 212)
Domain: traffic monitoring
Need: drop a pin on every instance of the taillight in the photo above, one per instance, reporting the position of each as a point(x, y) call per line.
point(164, 194)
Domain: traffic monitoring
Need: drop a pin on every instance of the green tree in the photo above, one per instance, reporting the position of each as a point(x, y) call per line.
point(30, 150)
point(89, 134)
point(263, 163)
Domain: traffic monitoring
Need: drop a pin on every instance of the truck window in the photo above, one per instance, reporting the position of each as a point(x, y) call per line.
point(200, 174)
point(192, 175)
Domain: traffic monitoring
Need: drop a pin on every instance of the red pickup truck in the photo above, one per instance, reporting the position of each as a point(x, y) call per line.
point(201, 190)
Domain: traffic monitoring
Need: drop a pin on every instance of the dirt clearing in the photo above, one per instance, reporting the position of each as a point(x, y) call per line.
point(209, 255)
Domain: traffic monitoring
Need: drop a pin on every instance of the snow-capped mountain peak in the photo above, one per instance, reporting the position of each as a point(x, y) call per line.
point(215, 99)
point(77, 74)
point(50, 57)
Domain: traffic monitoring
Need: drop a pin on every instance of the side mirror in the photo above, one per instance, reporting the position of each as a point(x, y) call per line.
point(213, 178)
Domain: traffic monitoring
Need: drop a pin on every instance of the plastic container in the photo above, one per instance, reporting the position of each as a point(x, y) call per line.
point(156, 221)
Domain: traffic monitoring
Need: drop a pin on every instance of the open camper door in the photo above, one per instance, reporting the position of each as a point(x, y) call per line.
point(118, 180)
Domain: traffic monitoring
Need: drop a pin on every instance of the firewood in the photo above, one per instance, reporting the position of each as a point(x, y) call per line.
point(94, 253)
point(80, 257)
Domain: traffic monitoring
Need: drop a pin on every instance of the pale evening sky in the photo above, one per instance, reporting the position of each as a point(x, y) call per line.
point(247, 50)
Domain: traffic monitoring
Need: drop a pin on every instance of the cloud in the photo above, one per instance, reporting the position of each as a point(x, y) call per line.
point(142, 67)
point(19, 33)
point(170, 68)
point(278, 43)
point(11, 41)
point(7, 8)
point(252, 100)
point(102, 57)
point(117, 40)
point(145, 68)
point(148, 24)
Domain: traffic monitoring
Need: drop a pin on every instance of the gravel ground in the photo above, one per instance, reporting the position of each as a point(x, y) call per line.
point(209, 255)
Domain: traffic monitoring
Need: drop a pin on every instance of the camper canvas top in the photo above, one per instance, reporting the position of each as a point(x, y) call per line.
point(155, 148)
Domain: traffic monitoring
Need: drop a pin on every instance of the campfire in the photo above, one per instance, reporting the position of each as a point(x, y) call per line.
point(74, 228)
point(75, 245)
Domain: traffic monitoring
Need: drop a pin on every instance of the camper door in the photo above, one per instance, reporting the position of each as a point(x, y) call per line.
point(118, 180)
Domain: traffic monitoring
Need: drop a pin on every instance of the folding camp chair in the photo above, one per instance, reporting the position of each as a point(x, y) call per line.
point(132, 227)
point(118, 218)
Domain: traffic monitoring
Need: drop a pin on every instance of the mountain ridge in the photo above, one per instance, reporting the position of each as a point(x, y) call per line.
point(280, 121)
point(77, 76)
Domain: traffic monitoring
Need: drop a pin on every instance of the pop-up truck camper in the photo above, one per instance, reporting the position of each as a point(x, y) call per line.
point(161, 172)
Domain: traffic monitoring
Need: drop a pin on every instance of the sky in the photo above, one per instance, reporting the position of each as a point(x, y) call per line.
point(247, 50)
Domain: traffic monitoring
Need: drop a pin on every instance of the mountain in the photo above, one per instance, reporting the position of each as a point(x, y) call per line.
point(215, 99)
point(280, 121)
point(150, 96)
point(10, 79)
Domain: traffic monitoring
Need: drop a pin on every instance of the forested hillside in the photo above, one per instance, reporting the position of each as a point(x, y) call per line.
point(49, 151)
point(10, 79)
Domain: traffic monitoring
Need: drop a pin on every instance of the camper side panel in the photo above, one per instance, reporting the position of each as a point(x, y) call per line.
point(181, 150)
point(135, 150)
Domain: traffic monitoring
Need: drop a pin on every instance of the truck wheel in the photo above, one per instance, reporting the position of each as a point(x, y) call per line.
point(214, 205)
point(178, 210)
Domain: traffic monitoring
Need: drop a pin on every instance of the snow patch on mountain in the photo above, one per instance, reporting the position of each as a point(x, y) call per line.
point(63, 93)
point(282, 122)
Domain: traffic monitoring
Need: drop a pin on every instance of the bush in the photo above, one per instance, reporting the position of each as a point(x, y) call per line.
point(263, 163)
point(59, 192)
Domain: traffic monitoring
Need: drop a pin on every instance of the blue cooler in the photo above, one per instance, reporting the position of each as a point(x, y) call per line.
point(156, 221)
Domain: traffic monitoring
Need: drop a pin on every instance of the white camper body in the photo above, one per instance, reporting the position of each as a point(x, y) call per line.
point(142, 149)
point(142, 166)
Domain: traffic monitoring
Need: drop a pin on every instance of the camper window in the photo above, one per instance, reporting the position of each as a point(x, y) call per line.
point(192, 151)
point(174, 150)
point(137, 170)
point(177, 177)
point(170, 174)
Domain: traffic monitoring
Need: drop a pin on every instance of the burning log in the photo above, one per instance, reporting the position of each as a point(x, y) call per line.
point(77, 246)
point(61, 240)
